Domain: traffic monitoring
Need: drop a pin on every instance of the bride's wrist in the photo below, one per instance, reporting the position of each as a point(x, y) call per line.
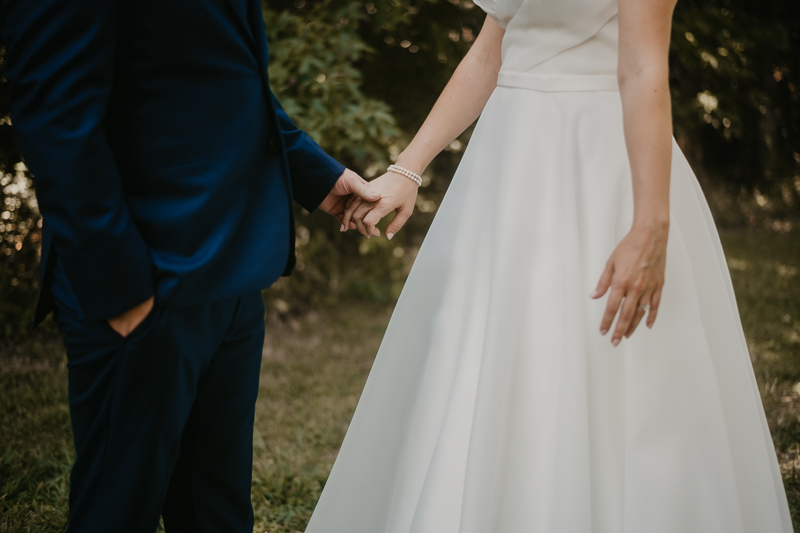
point(657, 226)
point(409, 162)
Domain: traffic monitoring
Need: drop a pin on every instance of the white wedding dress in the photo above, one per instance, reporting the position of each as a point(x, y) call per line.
point(494, 405)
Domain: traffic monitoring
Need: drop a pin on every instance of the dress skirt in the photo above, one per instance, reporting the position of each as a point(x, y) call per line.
point(494, 404)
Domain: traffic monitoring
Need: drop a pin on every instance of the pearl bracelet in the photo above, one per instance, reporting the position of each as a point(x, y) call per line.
point(416, 178)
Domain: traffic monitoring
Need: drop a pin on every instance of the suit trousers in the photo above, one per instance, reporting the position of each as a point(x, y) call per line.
point(163, 419)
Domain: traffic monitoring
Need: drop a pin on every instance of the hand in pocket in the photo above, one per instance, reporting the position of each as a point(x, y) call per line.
point(128, 321)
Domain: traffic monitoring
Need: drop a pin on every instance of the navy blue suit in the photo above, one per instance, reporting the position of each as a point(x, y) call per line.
point(162, 161)
point(163, 166)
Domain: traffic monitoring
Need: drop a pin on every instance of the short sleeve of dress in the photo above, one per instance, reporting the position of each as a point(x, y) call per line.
point(490, 7)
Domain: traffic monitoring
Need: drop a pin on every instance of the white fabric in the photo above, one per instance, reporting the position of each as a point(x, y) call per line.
point(494, 405)
point(558, 82)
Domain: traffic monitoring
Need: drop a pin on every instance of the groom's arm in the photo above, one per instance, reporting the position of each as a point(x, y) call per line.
point(59, 62)
point(313, 172)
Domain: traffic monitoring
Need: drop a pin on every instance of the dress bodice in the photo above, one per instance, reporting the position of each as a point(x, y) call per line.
point(557, 44)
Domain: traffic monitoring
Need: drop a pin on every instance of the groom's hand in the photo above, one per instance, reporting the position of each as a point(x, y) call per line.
point(349, 184)
point(128, 321)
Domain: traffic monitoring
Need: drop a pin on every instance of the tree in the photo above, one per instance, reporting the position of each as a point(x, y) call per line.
point(20, 232)
point(735, 73)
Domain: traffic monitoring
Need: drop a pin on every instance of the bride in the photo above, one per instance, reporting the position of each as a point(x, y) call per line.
point(510, 393)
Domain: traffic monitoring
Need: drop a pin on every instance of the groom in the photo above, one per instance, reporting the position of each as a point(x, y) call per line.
point(165, 171)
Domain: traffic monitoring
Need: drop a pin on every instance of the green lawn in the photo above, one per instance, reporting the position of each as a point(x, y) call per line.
point(311, 377)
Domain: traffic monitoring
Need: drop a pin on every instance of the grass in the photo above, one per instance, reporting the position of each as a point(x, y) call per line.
point(765, 268)
point(36, 440)
point(312, 373)
point(311, 377)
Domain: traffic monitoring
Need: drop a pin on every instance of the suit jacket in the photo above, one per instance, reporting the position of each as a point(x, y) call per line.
point(162, 161)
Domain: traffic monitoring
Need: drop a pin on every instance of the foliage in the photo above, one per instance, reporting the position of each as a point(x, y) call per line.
point(19, 237)
point(735, 69)
point(19, 230)
point(313, 73)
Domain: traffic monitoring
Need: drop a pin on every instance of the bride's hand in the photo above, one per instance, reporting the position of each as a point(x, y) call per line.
point(635, 274)
point(398, 193)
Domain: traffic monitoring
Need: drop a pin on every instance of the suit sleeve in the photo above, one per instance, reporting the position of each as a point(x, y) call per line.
point(59, 62)
point(313, 172)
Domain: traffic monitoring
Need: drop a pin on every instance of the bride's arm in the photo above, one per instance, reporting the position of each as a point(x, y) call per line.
point(461, 102)
point(635, 270)
point(458, 106)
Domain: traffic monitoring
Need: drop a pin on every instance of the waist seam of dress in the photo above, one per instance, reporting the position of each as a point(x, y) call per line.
point(559, 82)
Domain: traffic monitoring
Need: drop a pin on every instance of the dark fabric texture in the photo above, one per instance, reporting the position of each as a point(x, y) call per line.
point(163, 163)
point(163, 419)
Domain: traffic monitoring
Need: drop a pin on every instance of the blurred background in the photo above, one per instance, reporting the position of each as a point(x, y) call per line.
point(360, 77)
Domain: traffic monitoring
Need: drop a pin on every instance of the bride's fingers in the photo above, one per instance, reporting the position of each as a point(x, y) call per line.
point(612, 306)
point(637, 318)
point(641, 310)
point(353, 203)
point(605, 281)
point(626, 314)
point(381, 210)
point(398, 221)
point(655, 301)
point(372, 218)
